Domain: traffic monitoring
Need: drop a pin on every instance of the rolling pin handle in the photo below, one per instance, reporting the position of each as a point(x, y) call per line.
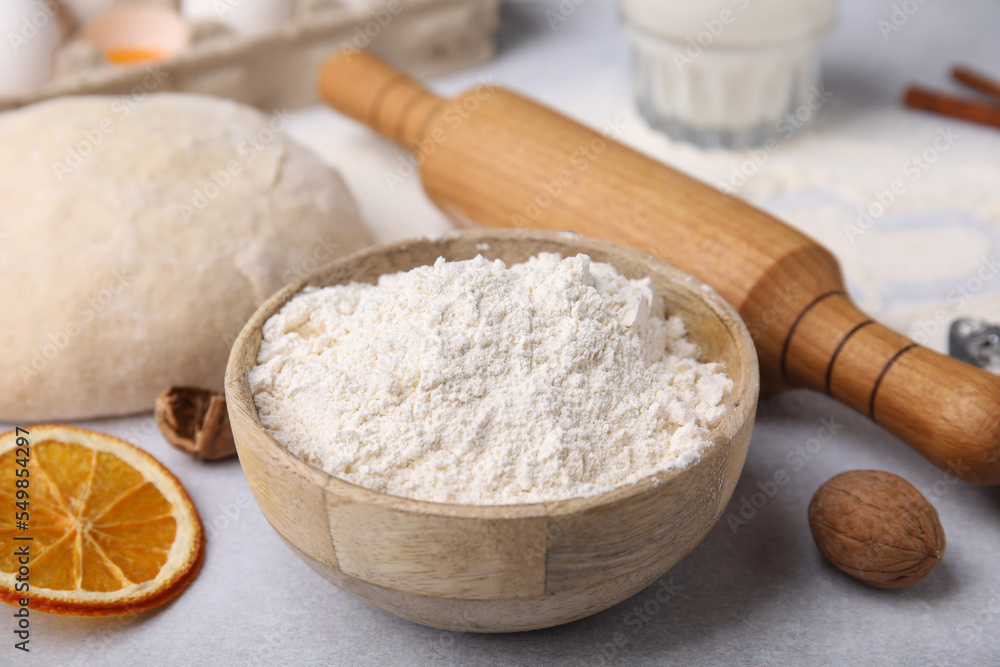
point(370, 91)
point(947, 410)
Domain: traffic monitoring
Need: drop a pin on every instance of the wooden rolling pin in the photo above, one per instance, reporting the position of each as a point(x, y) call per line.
point(493, 158)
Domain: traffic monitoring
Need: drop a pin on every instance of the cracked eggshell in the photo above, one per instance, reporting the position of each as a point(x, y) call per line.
point(137, 238)
point(136, 33)
point(247, 17)
point(84, 10)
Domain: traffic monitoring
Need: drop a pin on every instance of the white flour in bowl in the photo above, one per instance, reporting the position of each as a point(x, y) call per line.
point(476, 382)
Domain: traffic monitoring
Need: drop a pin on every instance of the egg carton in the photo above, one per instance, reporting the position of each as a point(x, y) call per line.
point(278, 69)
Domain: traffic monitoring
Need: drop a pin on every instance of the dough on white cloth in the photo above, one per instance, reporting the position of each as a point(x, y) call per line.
point(136, 238)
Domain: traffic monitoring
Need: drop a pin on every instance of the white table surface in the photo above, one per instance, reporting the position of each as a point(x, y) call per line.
point(759, 595)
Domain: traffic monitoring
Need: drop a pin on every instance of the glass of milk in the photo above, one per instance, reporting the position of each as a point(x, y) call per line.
point(728, 73)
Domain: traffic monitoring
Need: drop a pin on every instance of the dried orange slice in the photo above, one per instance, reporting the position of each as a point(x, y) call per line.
point(108, 529)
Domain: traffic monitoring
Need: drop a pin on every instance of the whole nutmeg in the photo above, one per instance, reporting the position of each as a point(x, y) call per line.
point(876, 527)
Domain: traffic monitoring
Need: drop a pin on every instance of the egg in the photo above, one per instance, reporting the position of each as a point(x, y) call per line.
point(32, 31)
point(83, 10)
point(247, 17)
point(136, 33)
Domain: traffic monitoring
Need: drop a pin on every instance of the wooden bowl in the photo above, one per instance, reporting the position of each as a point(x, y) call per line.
point(500, 567)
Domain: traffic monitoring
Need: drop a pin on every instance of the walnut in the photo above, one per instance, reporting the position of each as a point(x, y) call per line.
point(876, 527)
point(195, 421)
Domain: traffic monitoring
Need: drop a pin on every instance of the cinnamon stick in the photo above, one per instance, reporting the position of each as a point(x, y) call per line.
point(956, 107)
point(976, 81)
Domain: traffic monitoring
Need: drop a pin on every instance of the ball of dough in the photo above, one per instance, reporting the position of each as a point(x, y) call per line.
point(138, 236)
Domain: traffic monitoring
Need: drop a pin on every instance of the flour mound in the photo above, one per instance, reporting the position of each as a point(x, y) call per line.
point(475, 382)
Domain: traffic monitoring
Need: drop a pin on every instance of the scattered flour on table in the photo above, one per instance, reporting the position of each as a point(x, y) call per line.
point(908, 202)
point(480, 383)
